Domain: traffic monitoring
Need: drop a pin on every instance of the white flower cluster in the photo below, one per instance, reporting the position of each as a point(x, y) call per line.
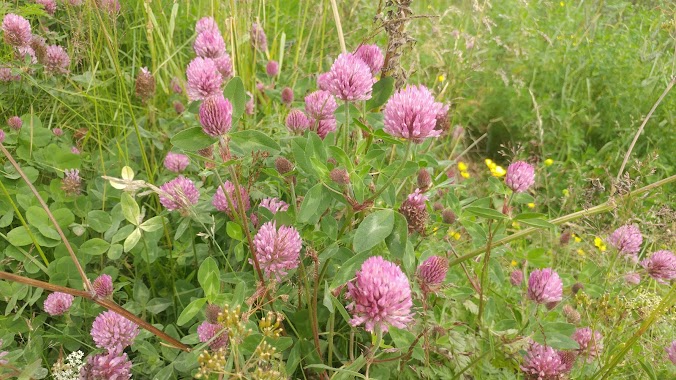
point(70, 370)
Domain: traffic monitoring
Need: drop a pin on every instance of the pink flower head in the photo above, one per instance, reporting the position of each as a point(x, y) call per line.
point(72, 182)
point(516, 277)
point(179, 194)
point(216, 116)
point(272, 68)
point(48, 5)
point(58, 132)
point(661, 266)
point(58, 303)
point(671, 352)
point(209, 44)
point(627, 239)
point(103, 286)
point(2, 136)
point(320, 105)
point(110, 6)
point(632, 278)
point(432, 272)
point(179, 108)
point(297, 122)
point(204, 79)
point(208, 330)
point(224, 66)
point(7, 76)
point(542, 363)
point(412, 114)
point(23, 52)
point(381, 296)
point(16, 30)
point(545, 286)
point(349, 78)
point(250, 105)
point(113, 331)
point(206, 24)
point(57, 60)
point(417, 199)
point(75, 3)
point(324, 126)
point(278, 250)
point(590, 342)
point(145, 84)
point(372, 56)
point(15, 123)
point(176, 162)
point(176, 86)
point(287, 95)
point(75, 150)
point(258, 38)
point(520, 176)
point(274, 205)
point(111, 366)
point(414, 210)
point(220, 201)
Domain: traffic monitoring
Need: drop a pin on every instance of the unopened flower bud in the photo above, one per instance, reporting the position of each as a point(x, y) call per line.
point(577, 287)
point(145, 84)
point(283, 165)
point(212, 312)
point(103, 286)
point(572, 315)
point(432, 272)
point(448, 216)
point(565, 237)
point(516, 277)
point(437, 206)
point(424, 179)
point(340, 176)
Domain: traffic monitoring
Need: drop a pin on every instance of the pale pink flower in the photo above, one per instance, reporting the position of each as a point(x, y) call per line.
point(209, 44)
point(75, 150)
point(272, 68)
point(48, 5)
point(432, 272)
point(220, 201)
point(103, 286)
point(320, 105)
point(15, 123)
point(277, 250)
point(542, 363)
point(381, 296)
point(661, 266)
point(23, 52)
point(111, 366)
point(56, 60)
point(225, 66)
point(204, 79)
point(516, 277)
point(179, 194)
point(412, 114)
point(176, 162)
point(349, 79)
point(7, 76)
point(627, 239)
point(58, 303)
point(72, 182)
point(176, 86)
point(545, 286)
point(324, 126)
point(16, 30)
point(250, 105)
point(110, 6)
point(287, 95)
point(113, 331)
point(274, 205)
point(258, 38)
point(632, 278)
point(216, 116)
point(206, 24)
point(296, 121)
point(208, 330)
point(590, 342)
point(671, 352)
point(372, 56)
point(2, 136)
point(520, 176)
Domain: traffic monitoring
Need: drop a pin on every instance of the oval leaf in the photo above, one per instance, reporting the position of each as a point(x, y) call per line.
point(373, 230)
point(191, 139)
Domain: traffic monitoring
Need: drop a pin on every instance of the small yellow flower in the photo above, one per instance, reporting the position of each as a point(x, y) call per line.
point(464, 174)
point(580, 252)
point(531, 205)
point(562, 4)
point(578, 239)
point(598, 243)
point(453, 234)
point(488, 162)
point(549, 162)
point(462, 166)
point(566, 192)
point(514, 263)
point(441, 78)
point(516, 224)
point(498, 171)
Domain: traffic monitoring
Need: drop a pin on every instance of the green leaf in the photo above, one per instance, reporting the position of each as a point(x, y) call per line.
point(235, 93)
point(95, 247)
point(396, 241)
point(382, 90)
point(348, 269)
point(192, 139)
point(485, 212)
point(115, 251)
point(209, 278)
point(250, 140)
point(100, 221)
point(19, 237)
point(314, 204)
point(373, 230)
point(131, 240)
point(190, 311)
point(152, 224)
point(130, 209)
point(234, 230)
point(537, 257)
point(327, 298)
point(529, 215)
point(559, 327)
point(556, 340)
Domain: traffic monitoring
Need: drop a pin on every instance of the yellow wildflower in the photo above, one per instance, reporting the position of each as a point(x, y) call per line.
point(562, 4)
point(454, 235)
point(577, 239)
point(566, 192)
point(462, 166)
point(598, 243)
point(549, 162)
point(516, 224)
point(441, 78)
point(464, 174)
point(498, 171)
point(531, 205)
point(580, 252)
point(514, 263)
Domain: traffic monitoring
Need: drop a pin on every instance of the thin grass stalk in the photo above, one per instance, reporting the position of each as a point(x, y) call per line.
point(339, 27)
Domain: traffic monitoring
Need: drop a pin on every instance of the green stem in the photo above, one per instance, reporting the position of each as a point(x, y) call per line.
point(394, 175)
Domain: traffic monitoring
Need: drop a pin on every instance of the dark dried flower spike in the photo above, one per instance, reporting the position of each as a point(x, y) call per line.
point(283, 165)
point(424, 179)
